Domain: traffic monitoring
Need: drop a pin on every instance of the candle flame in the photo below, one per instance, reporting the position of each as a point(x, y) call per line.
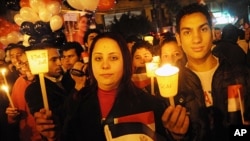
point(5, 88)
point(156, 59)
point(166, 70)
point(3, 70)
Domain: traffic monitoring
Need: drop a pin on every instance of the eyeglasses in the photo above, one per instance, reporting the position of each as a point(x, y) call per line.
point(76, 72)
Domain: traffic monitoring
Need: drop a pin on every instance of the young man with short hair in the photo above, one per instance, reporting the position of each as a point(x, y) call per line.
point(220, 81)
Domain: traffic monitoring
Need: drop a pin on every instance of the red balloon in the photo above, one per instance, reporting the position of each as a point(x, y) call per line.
point(1, 46)
point(47, 1)
point(105, 5)
point(24, 3)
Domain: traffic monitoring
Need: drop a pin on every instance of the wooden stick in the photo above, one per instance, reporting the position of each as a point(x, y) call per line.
point(152, 86)
point(241, 106)
point(43, 89)
point(171, 101)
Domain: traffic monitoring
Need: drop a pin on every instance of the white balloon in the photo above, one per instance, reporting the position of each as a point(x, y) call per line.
point(56, 22)
point(13, 37)
point(54, 7)
point(28, 14)
point(26, 40)
point(89, 4)
point(36, 4)
point(18, 19)
point(44, 15)
point(76, 4)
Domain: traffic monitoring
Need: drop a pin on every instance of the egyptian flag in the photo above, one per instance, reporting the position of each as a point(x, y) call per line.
point(136, 127)
point(141, 80)
point(234, 98)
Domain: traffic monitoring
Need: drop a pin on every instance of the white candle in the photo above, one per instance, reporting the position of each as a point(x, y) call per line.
point(150, 39)
point(4, 77)
point(6, 89)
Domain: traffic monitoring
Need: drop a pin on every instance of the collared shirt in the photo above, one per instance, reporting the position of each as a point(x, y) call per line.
point(56, 80)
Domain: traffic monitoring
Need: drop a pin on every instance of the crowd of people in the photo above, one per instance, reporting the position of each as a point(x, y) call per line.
point(110, 96)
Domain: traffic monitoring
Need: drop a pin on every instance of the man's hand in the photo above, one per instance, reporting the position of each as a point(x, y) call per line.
point(79, 80)
point(12, 114)
point(45, 124)
point(176, 121)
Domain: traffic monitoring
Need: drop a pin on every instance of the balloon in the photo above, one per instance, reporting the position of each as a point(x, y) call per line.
point(75, 4)
point(28, 14)
point(27, 28)
point(26, 40)
point(44, 14)
point(18, 19)
point(36, 4)
point(56, 22)
point(47, 38)
point(2, 46)
point(14, 37)
point(42, 28)
point(59, 37)
point(33, 40)
point(66, 4)
point(105, 5)
point(89, 5)
point(54, 7)
point(3, 40)
point(24, 3)
point(13, 5)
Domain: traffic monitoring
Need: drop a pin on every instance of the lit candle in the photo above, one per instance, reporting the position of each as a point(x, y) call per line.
point(156, 59)
point(6, 89)
point(167, 78)
point(150, 39)
point(38, 63)
point(4, 77)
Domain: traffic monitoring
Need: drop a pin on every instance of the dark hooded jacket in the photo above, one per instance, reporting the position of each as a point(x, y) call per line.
point(228, 48)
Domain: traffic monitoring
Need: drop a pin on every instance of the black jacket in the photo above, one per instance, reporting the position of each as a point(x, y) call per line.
point(56, 96)
point(83, 116)
point(219, 118)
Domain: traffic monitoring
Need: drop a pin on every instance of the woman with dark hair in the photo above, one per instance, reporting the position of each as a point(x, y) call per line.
point(112, 103)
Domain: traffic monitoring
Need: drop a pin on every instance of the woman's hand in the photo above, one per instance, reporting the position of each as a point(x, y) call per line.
point(176, 121)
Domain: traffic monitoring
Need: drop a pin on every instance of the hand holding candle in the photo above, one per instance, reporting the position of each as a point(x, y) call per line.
point(167, 78)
